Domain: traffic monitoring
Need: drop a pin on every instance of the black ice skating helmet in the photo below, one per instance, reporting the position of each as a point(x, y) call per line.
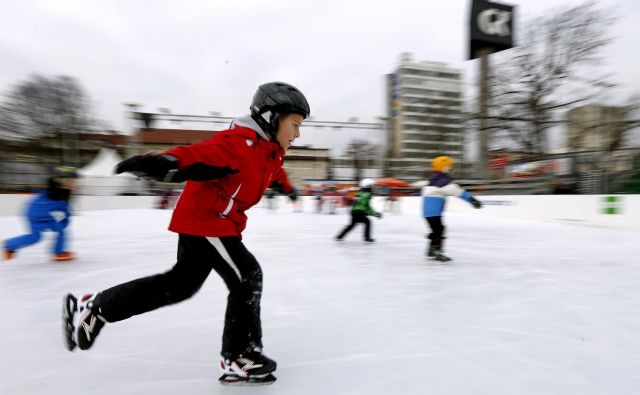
point(64, 172)
point(59, 173)
point(275, 98)
point(57, 189)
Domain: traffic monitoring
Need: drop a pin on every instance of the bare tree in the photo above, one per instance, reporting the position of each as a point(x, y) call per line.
point(41, 107)
point(362, 152)
point(554, 67)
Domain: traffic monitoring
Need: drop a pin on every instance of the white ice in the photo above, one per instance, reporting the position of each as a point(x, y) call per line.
point(526, 307)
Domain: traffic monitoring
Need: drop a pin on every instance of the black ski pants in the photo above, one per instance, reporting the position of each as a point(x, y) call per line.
point(437, 231)
point(358, 217)
point(197, 256)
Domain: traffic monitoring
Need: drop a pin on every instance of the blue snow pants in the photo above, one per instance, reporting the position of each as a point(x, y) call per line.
point(37, 228)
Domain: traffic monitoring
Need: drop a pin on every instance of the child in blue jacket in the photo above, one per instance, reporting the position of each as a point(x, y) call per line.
point(433, 202)
point(49, 210)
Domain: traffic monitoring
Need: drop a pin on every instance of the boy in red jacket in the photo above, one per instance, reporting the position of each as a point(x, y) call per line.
point(226, 175)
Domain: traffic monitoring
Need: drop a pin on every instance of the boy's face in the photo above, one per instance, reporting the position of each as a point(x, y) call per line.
point(289, 129)
point(68, 183)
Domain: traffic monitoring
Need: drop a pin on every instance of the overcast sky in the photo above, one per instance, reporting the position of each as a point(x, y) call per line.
point(197, 56)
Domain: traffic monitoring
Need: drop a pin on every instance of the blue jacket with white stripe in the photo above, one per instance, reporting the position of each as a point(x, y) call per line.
point(434, 194)
point(45, 211)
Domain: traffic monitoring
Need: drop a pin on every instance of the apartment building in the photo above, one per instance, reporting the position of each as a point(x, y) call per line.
point(424, 115)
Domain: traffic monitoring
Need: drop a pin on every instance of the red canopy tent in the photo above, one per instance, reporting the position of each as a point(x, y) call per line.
point(391, 182)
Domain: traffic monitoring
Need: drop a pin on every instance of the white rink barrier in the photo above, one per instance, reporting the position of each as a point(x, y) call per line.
point(15, 204)
point(616, 211)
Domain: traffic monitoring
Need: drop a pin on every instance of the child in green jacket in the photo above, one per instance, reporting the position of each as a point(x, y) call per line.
point(361, 210)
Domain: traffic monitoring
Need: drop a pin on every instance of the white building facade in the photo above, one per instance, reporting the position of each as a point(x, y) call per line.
point(424, 115)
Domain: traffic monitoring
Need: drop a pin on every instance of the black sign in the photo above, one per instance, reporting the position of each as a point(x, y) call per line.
point(491, 27)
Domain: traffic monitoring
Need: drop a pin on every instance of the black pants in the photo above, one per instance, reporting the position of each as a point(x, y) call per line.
point(196, 257)
point(437, 231)
point(357, 217)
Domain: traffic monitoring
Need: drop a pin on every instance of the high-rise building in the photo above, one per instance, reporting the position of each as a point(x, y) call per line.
point(424, 113)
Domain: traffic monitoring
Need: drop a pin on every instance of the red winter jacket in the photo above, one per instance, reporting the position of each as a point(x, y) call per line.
point(216, 208)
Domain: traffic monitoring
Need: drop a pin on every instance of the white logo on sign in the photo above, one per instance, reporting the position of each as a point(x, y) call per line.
point(494, 22)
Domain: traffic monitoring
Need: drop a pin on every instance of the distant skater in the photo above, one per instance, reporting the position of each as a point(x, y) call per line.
point(48, 211)
point(433, 203)
point(360, 211)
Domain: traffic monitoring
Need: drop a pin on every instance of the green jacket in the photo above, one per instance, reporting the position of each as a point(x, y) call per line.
point(362, 203)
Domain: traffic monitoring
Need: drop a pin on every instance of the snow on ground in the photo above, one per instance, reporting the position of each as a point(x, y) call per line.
point(525, 308)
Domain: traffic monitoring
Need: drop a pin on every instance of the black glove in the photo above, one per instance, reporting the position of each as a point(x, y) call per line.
point(151, 166)
point(165, 168)
point(476, 203)
point(276, 186)
point(202, 172)
point(377, 215)
point(293, 195)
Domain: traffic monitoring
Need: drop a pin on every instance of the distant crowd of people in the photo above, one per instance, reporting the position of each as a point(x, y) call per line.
point(329, 198)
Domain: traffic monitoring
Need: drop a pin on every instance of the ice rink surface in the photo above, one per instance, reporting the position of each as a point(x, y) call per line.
point(526, 307)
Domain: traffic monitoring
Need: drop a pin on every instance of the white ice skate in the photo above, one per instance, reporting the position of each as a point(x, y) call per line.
point(436, 254)
point(250, 368)
point(80, 324)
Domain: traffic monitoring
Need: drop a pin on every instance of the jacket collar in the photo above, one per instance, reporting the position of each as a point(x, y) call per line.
point(248, 122)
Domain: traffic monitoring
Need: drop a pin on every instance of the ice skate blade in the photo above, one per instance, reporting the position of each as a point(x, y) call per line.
point(68, 310)
point(440, 260)
point(233, 380)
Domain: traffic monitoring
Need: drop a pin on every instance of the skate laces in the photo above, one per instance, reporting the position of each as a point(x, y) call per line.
point(238, 367)
point(250, 363)
point(87, 322)
point(86, 303)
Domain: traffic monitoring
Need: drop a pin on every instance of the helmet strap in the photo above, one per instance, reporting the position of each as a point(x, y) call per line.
point(274, 123)
point(265, 124)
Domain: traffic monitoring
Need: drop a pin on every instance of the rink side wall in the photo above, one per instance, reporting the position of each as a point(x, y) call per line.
point(616, 211)
point(15, 204)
